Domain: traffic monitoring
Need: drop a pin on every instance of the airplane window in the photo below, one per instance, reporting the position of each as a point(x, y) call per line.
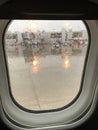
point(45, 61)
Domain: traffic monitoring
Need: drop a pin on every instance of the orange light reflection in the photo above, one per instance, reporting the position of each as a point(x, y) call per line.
point(35, 69)
point(35, 62)
point(66, 62)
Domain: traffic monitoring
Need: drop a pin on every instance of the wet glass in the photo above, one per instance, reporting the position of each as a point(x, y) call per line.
point(45, 61)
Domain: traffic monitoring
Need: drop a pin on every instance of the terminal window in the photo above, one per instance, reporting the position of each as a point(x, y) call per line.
point(45, 60)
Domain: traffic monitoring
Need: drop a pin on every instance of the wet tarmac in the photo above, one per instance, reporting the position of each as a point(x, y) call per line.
point(45, 77)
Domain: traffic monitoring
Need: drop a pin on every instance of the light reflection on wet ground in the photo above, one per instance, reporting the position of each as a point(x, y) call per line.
point(45, 77)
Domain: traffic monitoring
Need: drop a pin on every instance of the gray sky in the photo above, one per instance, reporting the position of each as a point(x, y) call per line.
point(46, 25)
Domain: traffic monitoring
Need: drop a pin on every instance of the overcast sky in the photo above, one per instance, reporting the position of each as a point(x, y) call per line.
point(46, 25)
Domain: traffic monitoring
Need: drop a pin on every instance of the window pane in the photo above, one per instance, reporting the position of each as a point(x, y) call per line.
point(45, 61)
